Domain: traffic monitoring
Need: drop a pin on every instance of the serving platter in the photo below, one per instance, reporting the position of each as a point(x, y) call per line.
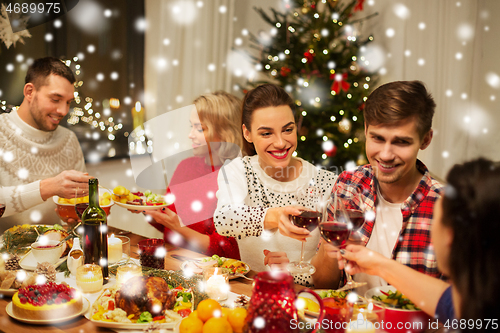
point(190, 265)
point(85, 307)
point(140, 208)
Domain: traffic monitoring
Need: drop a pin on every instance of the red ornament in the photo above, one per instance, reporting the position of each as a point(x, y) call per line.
point(339, 82)
point(331, 153)
point(359, 6)
point(313, 5)
point(285, 71)
point(309, 56)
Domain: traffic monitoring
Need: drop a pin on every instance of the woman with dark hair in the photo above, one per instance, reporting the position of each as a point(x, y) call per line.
point(465, 233)
point(257, 192)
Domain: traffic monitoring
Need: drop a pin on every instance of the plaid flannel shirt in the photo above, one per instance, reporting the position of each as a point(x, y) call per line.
point(413, 247)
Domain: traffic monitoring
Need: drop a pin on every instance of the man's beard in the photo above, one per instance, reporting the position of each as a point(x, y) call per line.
point(38, 117)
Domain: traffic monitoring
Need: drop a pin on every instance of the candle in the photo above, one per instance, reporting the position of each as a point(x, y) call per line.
point(114, 249)
point(89, 278)
point(360, 325)
point(216, 283)
point(126, 272)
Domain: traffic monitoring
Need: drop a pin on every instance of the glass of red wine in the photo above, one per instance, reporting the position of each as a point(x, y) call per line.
point(345, 216)
point(309, 218)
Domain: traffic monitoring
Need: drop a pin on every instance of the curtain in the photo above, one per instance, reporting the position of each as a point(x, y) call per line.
point(187, 43)
point(451, 46)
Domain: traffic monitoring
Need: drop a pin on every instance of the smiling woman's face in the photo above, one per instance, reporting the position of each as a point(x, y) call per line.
point(274, 135)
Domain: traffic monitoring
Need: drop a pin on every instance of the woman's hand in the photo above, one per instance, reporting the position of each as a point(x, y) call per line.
point(279, 218)
point(165, 217)
point(276, 260)
point(361, 260)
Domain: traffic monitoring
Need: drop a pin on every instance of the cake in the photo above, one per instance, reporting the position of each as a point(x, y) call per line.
point(46, 301)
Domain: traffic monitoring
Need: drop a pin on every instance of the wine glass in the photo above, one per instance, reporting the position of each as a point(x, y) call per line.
point(309, 219)
point(347, 217)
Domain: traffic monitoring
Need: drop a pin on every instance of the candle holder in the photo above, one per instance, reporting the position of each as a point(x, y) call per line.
point(152, 253)
point(89, 278)
point(118, 252)
point(216, 282)
point(366, 318)
point(125, 272)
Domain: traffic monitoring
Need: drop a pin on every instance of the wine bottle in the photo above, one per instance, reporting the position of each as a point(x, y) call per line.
point(95, 231)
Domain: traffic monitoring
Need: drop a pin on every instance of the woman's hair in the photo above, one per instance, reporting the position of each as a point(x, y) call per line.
point(471, 207)
point(220, 113)
point(263, 96)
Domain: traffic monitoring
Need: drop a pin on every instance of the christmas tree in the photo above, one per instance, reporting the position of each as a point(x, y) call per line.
point(315, 53)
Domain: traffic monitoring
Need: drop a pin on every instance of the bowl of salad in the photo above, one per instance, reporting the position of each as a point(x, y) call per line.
point(401, 314)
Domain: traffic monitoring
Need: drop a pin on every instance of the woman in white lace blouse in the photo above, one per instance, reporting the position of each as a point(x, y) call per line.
point(256, 192)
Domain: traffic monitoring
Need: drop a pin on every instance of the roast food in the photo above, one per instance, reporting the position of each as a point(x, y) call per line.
point(142, 293)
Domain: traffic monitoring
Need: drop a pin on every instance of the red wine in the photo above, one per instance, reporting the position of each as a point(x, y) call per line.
point(80, 208)
point(307, 219)
point(357, 218)
point(2, 209)
point(95, 237)
point(334, 233)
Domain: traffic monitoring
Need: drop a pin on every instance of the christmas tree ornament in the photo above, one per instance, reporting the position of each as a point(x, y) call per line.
point(309, 55)
point(285, 71)
point(361, 160)
point(345, 125)
point(359, 6)
point(329, 148)
point(354, 68)
point(339, 82)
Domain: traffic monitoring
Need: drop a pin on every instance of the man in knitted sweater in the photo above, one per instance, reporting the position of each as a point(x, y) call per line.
point(38, 158)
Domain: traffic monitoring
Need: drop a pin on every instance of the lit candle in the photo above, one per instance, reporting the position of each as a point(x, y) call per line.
point(360, 325)
point(217, 283)
point(89, 278)
point(114, 249)
point(126, 272)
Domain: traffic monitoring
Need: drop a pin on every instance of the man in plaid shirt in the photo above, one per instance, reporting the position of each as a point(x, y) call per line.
point(398, 120)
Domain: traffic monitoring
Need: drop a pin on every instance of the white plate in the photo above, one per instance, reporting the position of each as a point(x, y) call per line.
point(131, 326)
point(191, 266)
point(140, 207)
point(29, 262)
point(8, 292)
point(86, 305)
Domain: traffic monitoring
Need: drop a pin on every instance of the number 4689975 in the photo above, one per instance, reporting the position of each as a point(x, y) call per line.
point(32, 8)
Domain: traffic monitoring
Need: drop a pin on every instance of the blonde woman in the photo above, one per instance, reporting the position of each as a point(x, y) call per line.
point(216, 137)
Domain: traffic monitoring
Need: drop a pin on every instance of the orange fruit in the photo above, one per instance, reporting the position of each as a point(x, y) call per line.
point(206, 309)
point(237, 319)
point(225, 312)
point(191, 325)
point(194, 314)
point(217, 325)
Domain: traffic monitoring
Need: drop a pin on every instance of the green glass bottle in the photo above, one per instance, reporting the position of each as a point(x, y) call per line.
point(95, 231)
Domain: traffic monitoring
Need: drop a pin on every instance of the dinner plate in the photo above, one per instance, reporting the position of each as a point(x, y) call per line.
point(8, 292)
point(86, 305)
point(311, 297)
point(132, 326)
point(191, 266)
point(140, 207)
point(29, 262)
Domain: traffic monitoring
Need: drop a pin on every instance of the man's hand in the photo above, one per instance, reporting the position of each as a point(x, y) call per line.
point(68, 184)
point(276, 260)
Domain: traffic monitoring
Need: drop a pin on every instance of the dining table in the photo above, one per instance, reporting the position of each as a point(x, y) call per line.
point(174, 258)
